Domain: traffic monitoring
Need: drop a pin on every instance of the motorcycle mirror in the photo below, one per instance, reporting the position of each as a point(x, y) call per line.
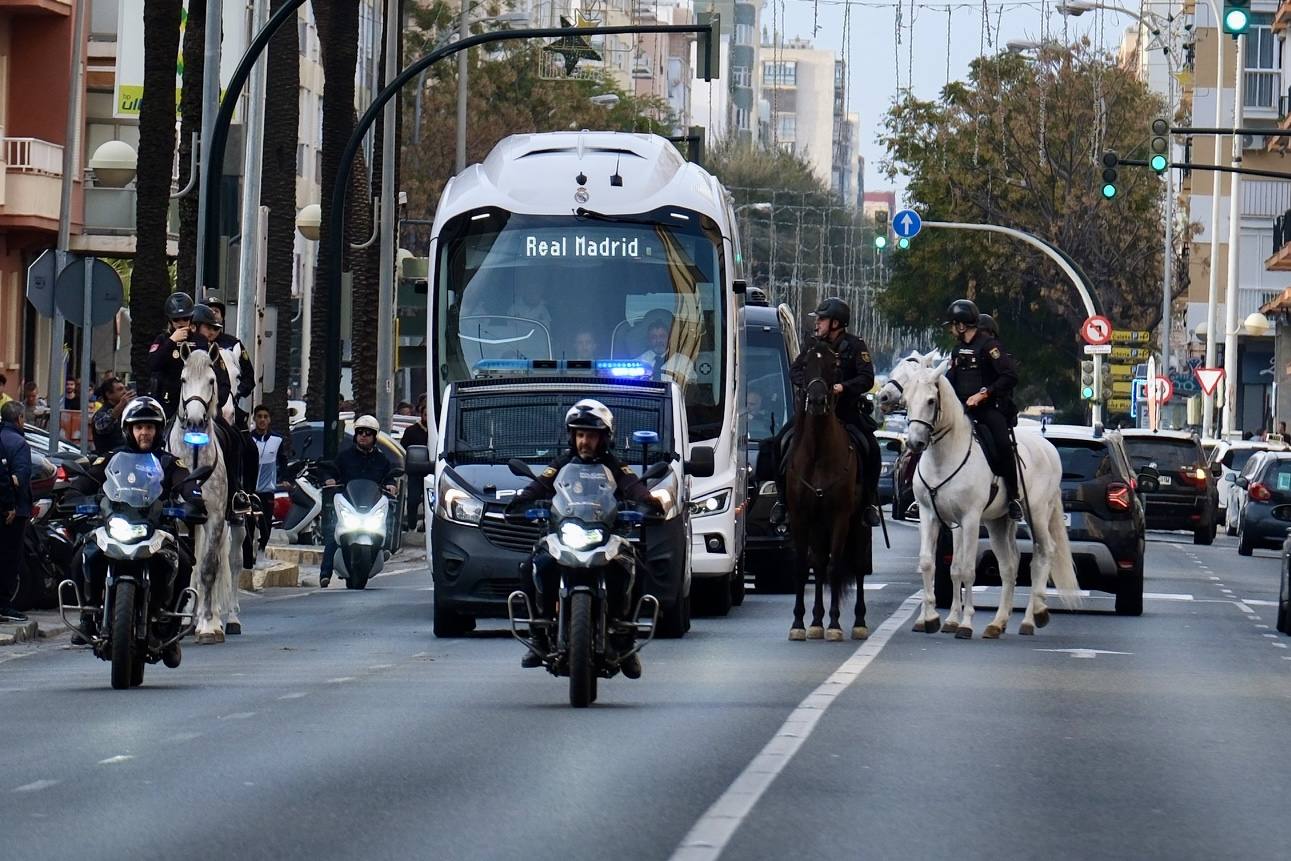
point(201, 473)
point(520, 468)
point(656, 470)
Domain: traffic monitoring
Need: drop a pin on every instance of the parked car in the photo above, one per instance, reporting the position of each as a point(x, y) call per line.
point(1104, 513)
point(771, 346)
point(890, 447)
point(1233, 456)
point(1266, 485)
point(1187, 497)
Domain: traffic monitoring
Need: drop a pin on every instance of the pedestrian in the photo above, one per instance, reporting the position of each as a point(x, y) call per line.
point(4, 396)
point(273, 449)
point(35, 412)
point(71, 396)
point(416, 434)
point(15, 507)
point(404, 409)
point(114, 396)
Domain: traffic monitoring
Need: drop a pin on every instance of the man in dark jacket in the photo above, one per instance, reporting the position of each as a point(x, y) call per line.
point(15, 507)
point(856, 378)
point(591, 440)
point(168, 350)
point(107, 421)
point(365, 461)
point(984, 375)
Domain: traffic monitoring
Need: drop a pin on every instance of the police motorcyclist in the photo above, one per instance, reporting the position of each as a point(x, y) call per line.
point(142, 424)
point(246, 371)
point(591, 440)
point(365, 460)
point(855, 379)
point(984, 376)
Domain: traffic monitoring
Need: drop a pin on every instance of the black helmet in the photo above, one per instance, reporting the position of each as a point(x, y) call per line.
point(962, 311)
point(986, 323)
point(179, 305)
point(204, 314)
point(139, 411)
point(834, 308)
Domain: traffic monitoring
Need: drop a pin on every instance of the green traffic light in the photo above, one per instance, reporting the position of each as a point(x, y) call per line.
point(1087, 393)
point(1109, 190)
point(903, 243)
point(1236, 20)
point(880, 242)
point(1159, 163)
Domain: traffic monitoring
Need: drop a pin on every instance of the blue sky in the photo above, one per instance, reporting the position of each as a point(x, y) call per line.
point(874, 54)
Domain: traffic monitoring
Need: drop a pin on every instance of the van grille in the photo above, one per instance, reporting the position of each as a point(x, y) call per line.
point(511, 536)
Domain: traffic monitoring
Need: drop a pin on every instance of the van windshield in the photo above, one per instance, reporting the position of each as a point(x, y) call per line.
point(767, 394)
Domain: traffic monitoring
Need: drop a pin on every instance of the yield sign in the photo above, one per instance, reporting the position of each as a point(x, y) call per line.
point(1096, 330)
point(1209, 378)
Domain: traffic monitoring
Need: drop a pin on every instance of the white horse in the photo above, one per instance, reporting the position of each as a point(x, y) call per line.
point(238, 527)
point(212, 577)
point(954, 485)
point(892, 395)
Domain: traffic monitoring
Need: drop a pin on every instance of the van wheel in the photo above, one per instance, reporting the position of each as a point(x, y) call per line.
point(674, 619)
point(451, 624)
point(1129, 593)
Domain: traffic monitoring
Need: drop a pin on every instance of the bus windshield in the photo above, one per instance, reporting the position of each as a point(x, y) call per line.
point(645, 290)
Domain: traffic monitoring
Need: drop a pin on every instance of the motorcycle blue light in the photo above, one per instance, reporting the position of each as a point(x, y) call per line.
point(87, 508)
point(536, 514)
point(632, 517)
point(172, 511)
point(196, 438)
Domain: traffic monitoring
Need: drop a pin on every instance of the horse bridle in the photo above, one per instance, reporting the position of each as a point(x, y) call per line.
point(896, 384)
point(831, 400)
point(934, 436)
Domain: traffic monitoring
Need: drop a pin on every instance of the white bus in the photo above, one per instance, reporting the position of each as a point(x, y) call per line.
point(608, 247)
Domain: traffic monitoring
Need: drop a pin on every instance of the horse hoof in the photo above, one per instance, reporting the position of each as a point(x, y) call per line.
point(834, 635)
point(206, 639)
point(815, 632)
point(963, 632)
point(950, 627)
point(1041, 618)
point(1026, 629)
point(219, 637)
point(233, 628)
point(992, 632)
point(797, 634)
point(928, 626)
point(860, 632)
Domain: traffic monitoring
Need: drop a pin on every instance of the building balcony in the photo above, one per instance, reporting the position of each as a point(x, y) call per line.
point(1281, 259)
point(36, 7)
point(30, 191)
point(1276, 143)
point(1282, 17)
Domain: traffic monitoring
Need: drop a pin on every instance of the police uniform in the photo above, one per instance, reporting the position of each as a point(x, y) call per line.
point(246, 372)
point(983, 365)
point(166, 363)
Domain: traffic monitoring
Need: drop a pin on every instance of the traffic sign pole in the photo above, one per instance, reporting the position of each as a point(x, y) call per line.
point(87, 328)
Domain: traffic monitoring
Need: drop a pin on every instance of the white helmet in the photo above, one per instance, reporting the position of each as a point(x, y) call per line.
point(589, 414)
point(367, 423)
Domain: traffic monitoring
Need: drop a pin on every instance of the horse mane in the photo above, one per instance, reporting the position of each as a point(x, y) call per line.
point(199, 360)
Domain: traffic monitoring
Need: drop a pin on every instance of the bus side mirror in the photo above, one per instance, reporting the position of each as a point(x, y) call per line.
point(739, 286)
point(701, 461)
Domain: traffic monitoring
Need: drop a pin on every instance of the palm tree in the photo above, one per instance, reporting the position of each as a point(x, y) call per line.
point(151, 281)
point(278, 194)
point(190, 109)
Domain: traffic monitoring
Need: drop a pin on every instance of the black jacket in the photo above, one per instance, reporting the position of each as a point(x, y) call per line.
point(174, 472)
point(166, 362)
point(107, 430)
point(353, 465)
point(415, 434)
point(15, 472)
point(246, 371)
point(983, 364)
point(629, 486)
point(856, 375)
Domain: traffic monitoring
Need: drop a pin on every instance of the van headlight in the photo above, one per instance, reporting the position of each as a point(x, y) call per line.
point(126, 532)
point(713, 503)
point(456, 504)
point(665, 493)
point(575, 537)
point(349, 519)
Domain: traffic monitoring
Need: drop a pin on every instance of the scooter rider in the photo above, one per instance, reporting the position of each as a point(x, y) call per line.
point(142, 423)
point(365, 461)
point(984, 376)
point(591, 440)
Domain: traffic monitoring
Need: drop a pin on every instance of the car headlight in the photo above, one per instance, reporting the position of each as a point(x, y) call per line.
point(713, 503)
point(456, 504)
point(576, 537)
point(123, 530)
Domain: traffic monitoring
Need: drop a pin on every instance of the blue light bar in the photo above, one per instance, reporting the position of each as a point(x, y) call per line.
point(87, 508)
point(617, 368)
point(622, 368)
point(196, 438)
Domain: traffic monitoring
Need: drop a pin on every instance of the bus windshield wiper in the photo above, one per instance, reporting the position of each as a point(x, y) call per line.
point(592, 215)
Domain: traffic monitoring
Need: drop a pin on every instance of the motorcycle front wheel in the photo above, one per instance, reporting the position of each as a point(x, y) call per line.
point(123, 644)
point(582, 673)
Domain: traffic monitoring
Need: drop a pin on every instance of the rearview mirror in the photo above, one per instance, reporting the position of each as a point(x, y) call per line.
point(520, 468)
point(1243, 482)
point(418, 459)
point(1216, 470)
point(701, 461)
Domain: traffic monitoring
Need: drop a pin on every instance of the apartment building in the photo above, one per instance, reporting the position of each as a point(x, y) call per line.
point(798, 83)
point(662, 62)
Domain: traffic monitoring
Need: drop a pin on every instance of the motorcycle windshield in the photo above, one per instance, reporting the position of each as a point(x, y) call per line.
point(363, 494)
point(585, 492)
point(133, 479)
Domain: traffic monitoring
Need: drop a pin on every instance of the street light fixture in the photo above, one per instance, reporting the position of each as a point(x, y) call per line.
point(309, 221)
point(115, 164)
point(762, 207)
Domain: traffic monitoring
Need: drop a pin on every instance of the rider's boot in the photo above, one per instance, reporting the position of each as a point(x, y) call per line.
point(539, 650)
point(779, 512)
point(631, 666)
point(1015, 505)
point(89, 627)
point(870, 510)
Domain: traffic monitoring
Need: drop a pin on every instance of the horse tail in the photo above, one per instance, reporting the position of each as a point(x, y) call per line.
point(1062, 567)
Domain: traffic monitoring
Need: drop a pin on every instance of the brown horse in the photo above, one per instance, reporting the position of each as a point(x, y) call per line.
point(824, 502)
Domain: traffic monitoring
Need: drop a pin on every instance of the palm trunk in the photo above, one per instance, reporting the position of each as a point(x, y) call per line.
point(150, 282)
point(190, 109)
point(278, 194)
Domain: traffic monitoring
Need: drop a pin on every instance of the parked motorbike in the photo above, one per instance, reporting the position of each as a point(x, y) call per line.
point(588, 539)
point(135, 538)
point(303, 521)
point(362, 517)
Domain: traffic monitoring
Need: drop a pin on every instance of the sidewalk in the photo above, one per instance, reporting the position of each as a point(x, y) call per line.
point(42, 625)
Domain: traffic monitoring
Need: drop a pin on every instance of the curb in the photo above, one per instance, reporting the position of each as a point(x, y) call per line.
point(304, 554)
point(25, 632)
point(274, 575)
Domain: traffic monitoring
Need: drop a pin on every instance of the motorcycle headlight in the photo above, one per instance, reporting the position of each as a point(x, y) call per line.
point(713, 503)
point(456, 504)
point(348, 519)
point(124, 531)
point(575, 537)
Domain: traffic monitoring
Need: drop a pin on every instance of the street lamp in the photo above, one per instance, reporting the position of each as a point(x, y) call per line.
point(762, 207)
point(115, 164)
point(309, 221)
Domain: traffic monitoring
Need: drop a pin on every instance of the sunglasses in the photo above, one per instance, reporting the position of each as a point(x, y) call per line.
point(365, 432)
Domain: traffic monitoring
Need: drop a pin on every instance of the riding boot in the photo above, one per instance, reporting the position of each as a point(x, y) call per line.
point(539, 650)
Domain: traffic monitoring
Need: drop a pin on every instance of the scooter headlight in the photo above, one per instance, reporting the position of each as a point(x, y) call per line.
point(576, 537)
point(126, 532)
point(349, 520)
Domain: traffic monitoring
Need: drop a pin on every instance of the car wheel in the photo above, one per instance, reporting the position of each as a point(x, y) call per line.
point(1204, 534)
point(737, 584)
point(1230, 527)
point(1244, 544)
point(1129, 592)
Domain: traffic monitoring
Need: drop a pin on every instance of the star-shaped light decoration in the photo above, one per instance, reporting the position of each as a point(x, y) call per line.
point(574, 48)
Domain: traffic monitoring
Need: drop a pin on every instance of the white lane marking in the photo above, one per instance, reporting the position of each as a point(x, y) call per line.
point(238, 716)
point(36, 785)
point(386, 666)
point(719, 823)
point(1212, 578)
point(1085, 593)
point(340, 679)
point(293, 696)
point(8, 658)
point(1168, 596)
point(874, 587)
point(113, 760)
point(1084, 653)
point(1257, 603)
point(1279, 645)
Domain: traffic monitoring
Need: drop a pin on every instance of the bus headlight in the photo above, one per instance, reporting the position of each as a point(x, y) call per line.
point(713, 503)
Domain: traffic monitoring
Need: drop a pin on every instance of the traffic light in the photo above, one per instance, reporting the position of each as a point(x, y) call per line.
point(708, 46)
point(1237, 16)
point(880, 228)
point(903, 243)
point(1087, 389)
point(1160, 159)
point(1110, 161)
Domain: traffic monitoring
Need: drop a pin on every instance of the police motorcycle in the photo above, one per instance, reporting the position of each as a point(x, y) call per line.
point(136, 537)
point(361, 513)
point(588, 537)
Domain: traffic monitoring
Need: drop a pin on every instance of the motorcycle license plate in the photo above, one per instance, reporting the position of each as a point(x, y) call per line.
point(1166, 481)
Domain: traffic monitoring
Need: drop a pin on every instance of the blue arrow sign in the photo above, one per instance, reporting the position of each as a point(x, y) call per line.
point(907, 224)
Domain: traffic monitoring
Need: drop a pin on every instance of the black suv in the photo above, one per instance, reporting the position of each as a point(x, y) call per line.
point(1187, 498)
point(1266, 487)
point(1104, 514)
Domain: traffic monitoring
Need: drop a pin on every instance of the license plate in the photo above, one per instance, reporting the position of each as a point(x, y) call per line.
point(1166, 481)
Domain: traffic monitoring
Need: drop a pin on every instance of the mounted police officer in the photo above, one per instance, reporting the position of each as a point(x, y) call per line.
point(984, 375)
point(246, 371)
point(856, 378)
point(239, 454)
point(167, 352)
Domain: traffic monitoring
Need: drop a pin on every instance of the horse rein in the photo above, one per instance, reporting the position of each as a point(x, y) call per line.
point(932, 430)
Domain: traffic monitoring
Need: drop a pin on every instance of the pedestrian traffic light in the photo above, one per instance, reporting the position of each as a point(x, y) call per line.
point(1110, 161)
point(1237, 16)
point(1160, 159)
point(1087, 380)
